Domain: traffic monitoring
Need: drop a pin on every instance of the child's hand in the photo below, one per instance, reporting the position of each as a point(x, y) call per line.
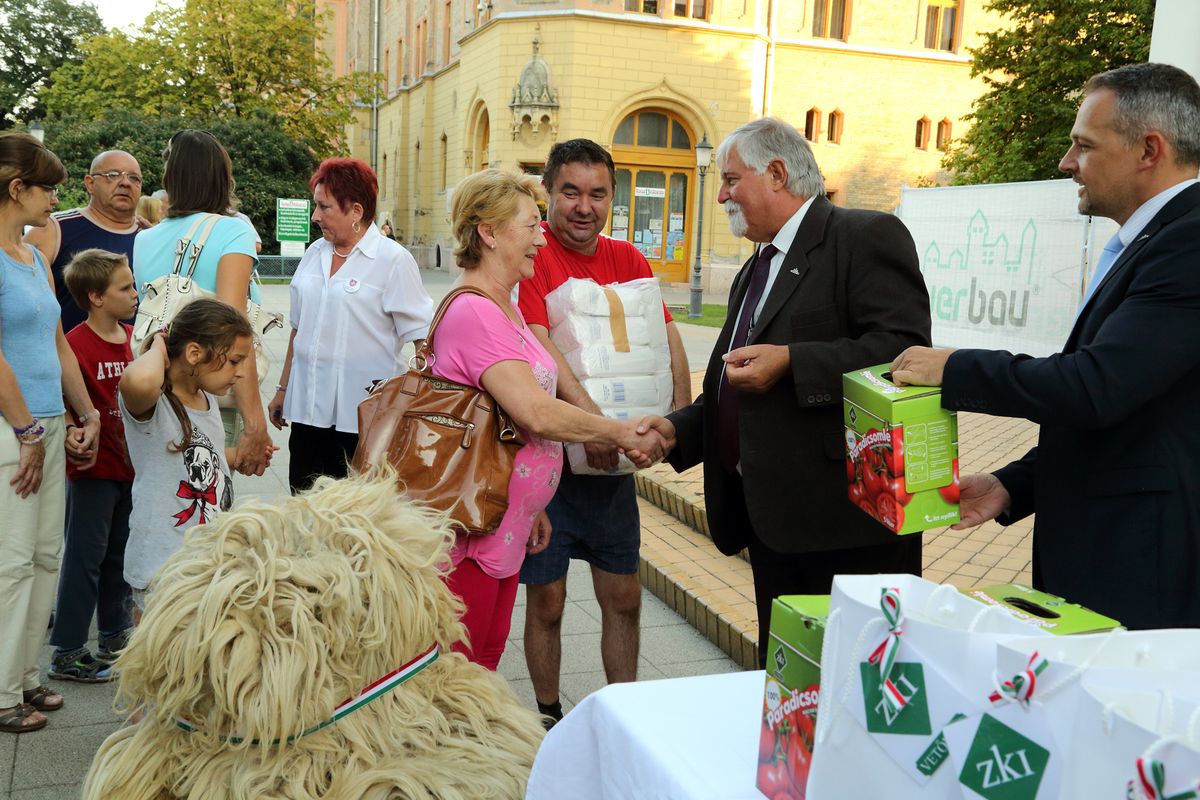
point(158, 343)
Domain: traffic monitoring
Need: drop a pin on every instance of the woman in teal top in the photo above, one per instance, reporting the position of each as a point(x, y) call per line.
point(198, 178)
point(37, 369)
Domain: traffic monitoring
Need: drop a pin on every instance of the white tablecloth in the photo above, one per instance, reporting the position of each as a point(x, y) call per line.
point(666, 740)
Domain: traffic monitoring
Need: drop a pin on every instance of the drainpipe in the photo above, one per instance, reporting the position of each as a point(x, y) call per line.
point(375, 33)
point(769, 71)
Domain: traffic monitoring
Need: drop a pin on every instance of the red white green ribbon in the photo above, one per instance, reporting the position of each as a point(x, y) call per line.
point(1151, 783)
point(375, 690)
point(884, 656)
point(1020, 686)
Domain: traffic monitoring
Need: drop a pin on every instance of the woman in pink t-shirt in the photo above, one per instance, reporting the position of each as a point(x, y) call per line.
point(485, 343)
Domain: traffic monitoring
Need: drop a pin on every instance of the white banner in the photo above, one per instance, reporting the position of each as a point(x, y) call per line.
point(1005, 264)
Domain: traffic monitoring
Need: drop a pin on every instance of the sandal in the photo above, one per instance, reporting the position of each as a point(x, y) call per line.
point(13, 720)
point(43, 698)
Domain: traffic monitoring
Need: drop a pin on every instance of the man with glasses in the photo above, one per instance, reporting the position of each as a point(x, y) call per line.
point(114, 185)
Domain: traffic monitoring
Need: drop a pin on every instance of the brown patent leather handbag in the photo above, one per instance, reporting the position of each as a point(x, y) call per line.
point(451, 445)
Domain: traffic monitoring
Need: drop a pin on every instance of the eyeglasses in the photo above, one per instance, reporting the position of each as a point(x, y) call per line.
point(115, 175)
point(47, 188)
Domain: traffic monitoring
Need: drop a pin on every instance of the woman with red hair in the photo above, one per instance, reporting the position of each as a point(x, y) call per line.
point(357, 298)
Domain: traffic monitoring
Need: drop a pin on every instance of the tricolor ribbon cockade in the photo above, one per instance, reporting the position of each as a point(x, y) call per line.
point(884, 656)
point(1151, 783)
point(1020, 686)
point(375, 690)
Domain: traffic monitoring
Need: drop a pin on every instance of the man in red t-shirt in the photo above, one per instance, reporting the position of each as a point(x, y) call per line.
point(594, 518)
point(100, 495)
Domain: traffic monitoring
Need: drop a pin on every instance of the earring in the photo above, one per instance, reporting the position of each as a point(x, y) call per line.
point(356, 226)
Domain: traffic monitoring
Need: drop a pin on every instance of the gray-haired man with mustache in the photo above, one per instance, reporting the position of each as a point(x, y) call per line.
point(830, 290)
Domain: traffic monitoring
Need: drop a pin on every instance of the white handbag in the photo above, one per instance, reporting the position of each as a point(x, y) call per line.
point(163, 297)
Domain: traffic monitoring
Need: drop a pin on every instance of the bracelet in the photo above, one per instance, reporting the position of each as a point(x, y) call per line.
point(95, 412)
point(30, 428)
point(32, 433)
point(280, 387)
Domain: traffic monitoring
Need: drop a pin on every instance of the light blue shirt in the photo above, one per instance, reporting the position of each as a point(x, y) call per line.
point(1139, 219)
point(154, 251)
point(29, 315)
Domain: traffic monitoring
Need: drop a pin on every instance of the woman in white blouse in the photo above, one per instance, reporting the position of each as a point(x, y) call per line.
point(357, 298)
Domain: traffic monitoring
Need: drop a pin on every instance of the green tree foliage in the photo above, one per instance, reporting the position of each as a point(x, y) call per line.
point(266, 162)
point(36, 38)
point(217, 58)
point(1034, 70)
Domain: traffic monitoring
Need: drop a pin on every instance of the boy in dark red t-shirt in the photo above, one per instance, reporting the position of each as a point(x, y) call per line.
point(99, 494)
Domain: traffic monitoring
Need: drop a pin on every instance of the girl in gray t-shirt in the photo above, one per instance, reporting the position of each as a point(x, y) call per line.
point(173, 430)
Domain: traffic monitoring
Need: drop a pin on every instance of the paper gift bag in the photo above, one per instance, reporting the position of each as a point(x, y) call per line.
point(1135, 735)
point(1019, 745)
point(902, 657)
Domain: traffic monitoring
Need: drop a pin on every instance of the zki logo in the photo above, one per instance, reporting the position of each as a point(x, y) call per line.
point(1002, 764)
point(909, 680)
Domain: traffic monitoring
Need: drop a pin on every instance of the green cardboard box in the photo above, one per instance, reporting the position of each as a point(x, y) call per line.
point(789, 710)
point(901, 452)
point(1052, 614)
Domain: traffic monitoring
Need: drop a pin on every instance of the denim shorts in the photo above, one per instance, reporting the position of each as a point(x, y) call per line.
point(594, 518)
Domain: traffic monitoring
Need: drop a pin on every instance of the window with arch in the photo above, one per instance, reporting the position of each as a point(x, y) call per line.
point(387, 72)
point(922, 134)
point(812, 124)
point(652, 129)
point(383, 175)
point(943, 135)
point(833, 130)
point(941, 25)
point(654, 194)
point(829, 19)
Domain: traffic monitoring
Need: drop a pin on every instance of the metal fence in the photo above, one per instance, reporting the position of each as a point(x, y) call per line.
point(277, 267)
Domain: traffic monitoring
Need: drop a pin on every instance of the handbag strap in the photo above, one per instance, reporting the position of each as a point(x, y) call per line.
point(181, 246)
point(427, 349)
point(197, 245)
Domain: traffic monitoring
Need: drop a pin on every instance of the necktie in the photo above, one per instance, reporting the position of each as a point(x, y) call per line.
point(727, 403)
point(1107, 256)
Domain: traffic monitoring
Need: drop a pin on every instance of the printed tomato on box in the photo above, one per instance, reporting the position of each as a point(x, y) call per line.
point(901, 452)
point(791, 695)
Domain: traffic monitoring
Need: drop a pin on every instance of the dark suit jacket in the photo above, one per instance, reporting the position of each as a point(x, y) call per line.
point(1115, 478)
point(849, 295)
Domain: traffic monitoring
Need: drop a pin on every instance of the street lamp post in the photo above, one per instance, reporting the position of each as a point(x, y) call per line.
point(703, 155)
point(37, 131)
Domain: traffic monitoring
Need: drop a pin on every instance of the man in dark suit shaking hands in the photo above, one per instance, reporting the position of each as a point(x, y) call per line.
point(830, 290)
point(1115, 477)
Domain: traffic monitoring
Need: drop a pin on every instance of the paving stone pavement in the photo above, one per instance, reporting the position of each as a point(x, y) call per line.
point(698, 606)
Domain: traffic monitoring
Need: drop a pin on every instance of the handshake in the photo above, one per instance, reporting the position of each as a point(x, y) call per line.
point(644, 442)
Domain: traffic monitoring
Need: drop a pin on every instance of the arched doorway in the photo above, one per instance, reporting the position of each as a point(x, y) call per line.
point(654, 198)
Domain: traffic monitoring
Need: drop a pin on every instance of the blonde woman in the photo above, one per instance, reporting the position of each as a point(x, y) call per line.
point(484, 342)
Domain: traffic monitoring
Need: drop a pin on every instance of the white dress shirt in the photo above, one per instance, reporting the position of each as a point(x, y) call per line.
point(350, 327)
point(782, 241)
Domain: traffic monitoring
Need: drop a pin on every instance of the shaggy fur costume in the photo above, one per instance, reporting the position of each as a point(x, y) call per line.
point(272, 615)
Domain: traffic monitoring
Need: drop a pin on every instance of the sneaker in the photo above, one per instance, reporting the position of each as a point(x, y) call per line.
point(111, 647)
point(80, 666)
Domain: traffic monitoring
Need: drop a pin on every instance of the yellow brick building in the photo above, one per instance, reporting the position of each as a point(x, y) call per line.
point(878, 86)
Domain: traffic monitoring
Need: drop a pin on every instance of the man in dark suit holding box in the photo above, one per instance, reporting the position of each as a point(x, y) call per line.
point(1115, 477)
point(831, 290)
